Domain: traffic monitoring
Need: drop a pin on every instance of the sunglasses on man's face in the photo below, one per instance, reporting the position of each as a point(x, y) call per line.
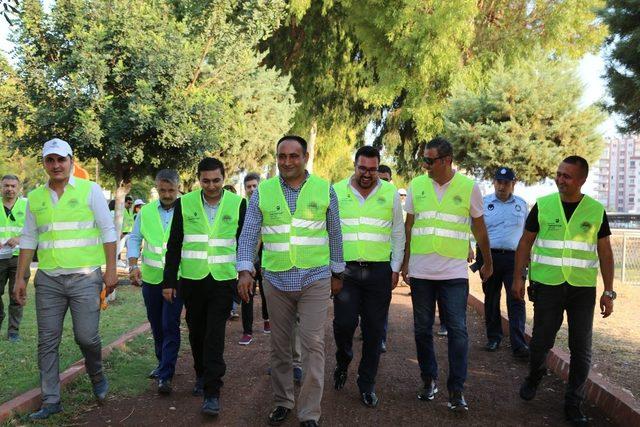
point(431, 160)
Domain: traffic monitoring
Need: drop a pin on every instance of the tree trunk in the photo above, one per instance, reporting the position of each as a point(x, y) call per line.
point(311, 148)
point(122, 189)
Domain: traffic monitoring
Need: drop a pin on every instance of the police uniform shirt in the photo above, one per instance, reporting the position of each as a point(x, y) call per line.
point(504, 220)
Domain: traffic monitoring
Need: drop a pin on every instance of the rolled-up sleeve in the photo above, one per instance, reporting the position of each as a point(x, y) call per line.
point(250, 235)
point(135, 240)
point(102, 215)
point(398, 237)
point(335, 234)
point(29, 236)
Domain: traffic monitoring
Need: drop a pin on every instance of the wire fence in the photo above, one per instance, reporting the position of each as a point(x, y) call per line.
point(626, 255)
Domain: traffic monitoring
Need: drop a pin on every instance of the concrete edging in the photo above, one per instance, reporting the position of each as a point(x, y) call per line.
point(617, 404)
point(31, 400)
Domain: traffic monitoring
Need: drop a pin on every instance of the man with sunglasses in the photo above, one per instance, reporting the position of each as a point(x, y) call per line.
point(372, 230)
point(443, 209)
point(11, 224)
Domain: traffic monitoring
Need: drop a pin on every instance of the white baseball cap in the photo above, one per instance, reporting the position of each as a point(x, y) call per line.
point(402, 191)
point(138, 202)
point(57, 146)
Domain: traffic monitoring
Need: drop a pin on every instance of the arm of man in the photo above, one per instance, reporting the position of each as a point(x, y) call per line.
point(335, 242)
point(28, 245)
point(133, 252)
point(479, 230)
point(247, 245)
point(397, 241)
point(523, 254)
point(174, 254)
point(102, 215)
point(605, 255)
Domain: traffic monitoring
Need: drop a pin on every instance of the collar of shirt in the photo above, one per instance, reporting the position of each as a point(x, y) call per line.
point(284, 183)
point(359, 195)
point(72, 182)
point(162, 208)
point(511, 199)
point(207, 204)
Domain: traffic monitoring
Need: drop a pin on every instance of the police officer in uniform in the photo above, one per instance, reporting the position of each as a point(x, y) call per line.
point(504, 215)
point(569, 233)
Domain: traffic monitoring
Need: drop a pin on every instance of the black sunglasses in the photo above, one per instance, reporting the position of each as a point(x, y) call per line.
point(431, 160)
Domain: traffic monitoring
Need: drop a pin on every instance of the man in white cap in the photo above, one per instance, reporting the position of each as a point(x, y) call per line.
point(68, 221)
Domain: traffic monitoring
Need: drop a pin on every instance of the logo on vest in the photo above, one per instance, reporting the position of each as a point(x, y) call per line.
point(554, 225)
point(457, 200)
point(381, 200)
point(226, 219)
point(313, 206)
point(586, 226)
point(73, 203)
point(192, 218)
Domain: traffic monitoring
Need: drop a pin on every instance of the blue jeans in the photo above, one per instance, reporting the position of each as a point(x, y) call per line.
point(453, 296)
point(164, 318)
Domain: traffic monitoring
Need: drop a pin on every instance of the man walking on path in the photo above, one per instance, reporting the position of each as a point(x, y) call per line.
point(202, 248)
point(373, 239)
point(443, 209)
point(69, 223)
point(569, 233)
point(11, 223)
point(297, 215)
point(504, 214)
point(152, 225)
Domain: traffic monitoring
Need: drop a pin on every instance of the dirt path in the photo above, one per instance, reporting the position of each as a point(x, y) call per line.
point(491, 389)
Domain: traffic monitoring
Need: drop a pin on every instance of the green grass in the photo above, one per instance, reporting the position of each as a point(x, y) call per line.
point(19, 361)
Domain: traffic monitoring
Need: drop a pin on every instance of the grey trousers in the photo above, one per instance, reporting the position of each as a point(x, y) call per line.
point(311, 305)
point(54, 296)
point(8, 268)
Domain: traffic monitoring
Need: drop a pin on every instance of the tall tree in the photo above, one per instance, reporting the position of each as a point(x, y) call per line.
point(623, 62)
point(527, 116)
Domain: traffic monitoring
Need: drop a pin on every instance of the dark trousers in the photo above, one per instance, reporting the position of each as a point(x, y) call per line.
point(247, 307)
point(453, 295)
point(164, 318)
point(208, 303)
point(8, 267)
point(503, 264)
point(366, 292)
point(548, 312)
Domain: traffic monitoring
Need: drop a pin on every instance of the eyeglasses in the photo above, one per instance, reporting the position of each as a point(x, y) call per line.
point(431, 160)
point(364, 170)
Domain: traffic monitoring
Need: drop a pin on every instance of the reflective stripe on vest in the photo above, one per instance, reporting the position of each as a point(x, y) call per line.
point(299, 240)
point(366, 227)
point(442, 227)
point(209, 248)
point(69, 237)
point(567, 251)
point(13, 227)
point(155, 243)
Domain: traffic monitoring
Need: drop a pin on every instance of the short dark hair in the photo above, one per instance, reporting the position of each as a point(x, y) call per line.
point(168, 175)
point(112, 204)
point(367, 151)
point(210, 164)
point(128, 199)
point(384, 169)
point(10, 176)
point(251, 176)
point(580, 161)
point(300, 140)
point(442, 146)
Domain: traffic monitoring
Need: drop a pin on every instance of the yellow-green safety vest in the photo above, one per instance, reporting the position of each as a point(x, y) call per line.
point(127, 221)
point(567, 251)
point(68, 236)
point(155, 243)
point(299, 240)
point(209, 248)
point(442, 227)
point(12, 226)
point(366, 228)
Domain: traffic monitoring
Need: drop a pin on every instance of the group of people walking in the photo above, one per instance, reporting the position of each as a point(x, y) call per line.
point(310, 244)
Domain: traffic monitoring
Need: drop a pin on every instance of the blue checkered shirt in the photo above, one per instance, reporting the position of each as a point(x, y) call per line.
point(296, 278)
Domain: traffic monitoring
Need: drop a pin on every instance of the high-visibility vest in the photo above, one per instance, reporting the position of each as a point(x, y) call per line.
point(68, 236)
point(155, 243)
point(209, 248)
point(127, 221)
point(567, 251)
point(442, 227)
point(12, 226)
point(366, 228)
point(299, 240)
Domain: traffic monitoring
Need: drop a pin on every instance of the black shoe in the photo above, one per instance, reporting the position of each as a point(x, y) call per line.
point(574, 414)
point(428, 390)
point(457, 402)
point(528, 389)
point(153, 375)
point(211, 406)
point(492, 346)
point(521, 353)
point(369, 400)
point(383, 347)
point(309, 423)
point(164, 387)
point(339, 378)
point(278, 415)
point(198, 388)
point(46, 411)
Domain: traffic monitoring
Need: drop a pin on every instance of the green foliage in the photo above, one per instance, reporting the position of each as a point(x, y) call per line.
point(623, 65)
point(527, 117)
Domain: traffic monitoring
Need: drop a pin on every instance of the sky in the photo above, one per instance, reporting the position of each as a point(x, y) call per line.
point(590, 70)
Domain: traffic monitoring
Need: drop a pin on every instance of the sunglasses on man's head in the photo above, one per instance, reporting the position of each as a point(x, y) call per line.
point(431, 160)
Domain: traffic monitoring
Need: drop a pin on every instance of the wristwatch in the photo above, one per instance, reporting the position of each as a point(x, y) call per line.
point(610, 294)
point(338, 276)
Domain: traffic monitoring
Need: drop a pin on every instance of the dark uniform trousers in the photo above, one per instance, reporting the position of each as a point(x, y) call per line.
point(366, 292)
point(548, 311)
point(208, 303)
point(247, 307)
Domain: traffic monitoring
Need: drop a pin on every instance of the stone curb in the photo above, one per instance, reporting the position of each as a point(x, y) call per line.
point(619, 405)
point(31, 400)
